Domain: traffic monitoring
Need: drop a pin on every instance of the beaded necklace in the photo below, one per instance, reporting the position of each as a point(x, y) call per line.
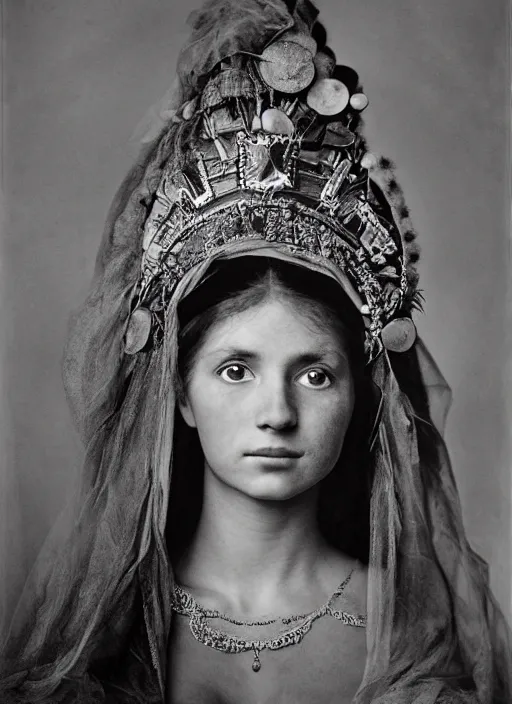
point(184, 603)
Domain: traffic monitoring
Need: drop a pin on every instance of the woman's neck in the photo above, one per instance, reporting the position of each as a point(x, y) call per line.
point(251, 551)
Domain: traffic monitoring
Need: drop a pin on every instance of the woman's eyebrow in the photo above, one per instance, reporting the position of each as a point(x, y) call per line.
point(320, 356)
point(306, 357)
point(235, 352)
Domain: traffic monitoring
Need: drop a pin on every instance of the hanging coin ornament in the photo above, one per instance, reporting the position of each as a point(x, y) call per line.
point(305, 40)
point(399, 335)
point(189, 109)
point(276, 121)
point(328, 96)
point(359, 101)
point(324, 65)
point(287, 67)
point(137, 333)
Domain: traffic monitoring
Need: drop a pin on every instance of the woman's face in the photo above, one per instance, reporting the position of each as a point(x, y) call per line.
point(271, 395)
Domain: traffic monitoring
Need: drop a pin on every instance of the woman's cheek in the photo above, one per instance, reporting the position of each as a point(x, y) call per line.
point(332, 420)
point(218, 416)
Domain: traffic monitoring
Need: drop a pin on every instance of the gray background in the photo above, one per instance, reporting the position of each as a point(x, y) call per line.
point(80, 74)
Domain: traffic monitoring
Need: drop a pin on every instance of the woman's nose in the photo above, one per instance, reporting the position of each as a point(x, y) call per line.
point(276, 407)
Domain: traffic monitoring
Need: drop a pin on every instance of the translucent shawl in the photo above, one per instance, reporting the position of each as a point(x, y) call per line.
point(93, 621)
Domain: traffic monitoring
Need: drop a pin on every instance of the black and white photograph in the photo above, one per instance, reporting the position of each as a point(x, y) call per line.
point(255, 352)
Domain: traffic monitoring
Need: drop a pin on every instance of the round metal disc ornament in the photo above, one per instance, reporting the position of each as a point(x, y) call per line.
point(369, 161)
point(137, 333)
point(359, 101)
point(276, 121)
point(399, 335)
point(287, 67)
point(305, 40)
point(328, 96)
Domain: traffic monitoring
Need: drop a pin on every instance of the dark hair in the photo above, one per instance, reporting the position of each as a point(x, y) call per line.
point(236, 285)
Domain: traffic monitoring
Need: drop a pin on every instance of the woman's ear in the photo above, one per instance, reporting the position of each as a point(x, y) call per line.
point(186, 409)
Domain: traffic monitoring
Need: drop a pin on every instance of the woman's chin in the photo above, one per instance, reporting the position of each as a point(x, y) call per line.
point(269, 478)
point(274, 487)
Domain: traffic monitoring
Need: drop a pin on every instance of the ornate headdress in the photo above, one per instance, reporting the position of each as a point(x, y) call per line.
point(268, 146)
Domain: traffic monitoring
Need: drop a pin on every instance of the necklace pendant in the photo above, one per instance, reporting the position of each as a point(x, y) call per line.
point(256, 664)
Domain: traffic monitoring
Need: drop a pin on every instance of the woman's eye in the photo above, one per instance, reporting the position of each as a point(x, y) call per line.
point(315, 379)
point(234, 373)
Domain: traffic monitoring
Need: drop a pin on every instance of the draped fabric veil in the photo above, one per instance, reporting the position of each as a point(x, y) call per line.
point(93, 619)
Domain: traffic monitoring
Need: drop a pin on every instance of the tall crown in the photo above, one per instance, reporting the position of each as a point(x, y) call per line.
point(269, 147)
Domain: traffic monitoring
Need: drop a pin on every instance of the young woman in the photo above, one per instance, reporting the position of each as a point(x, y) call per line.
point(267, 512)
point(270, 374)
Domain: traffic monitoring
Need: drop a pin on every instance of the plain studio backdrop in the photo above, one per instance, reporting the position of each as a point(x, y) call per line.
point(79, 75)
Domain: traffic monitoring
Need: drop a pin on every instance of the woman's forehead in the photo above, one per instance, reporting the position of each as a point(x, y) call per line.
point(276, 323)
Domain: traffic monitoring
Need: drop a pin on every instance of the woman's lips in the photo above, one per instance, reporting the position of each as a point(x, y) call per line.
point(274, 452)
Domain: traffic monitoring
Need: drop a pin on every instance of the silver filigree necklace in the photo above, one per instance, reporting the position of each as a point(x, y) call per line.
point(184, 603)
